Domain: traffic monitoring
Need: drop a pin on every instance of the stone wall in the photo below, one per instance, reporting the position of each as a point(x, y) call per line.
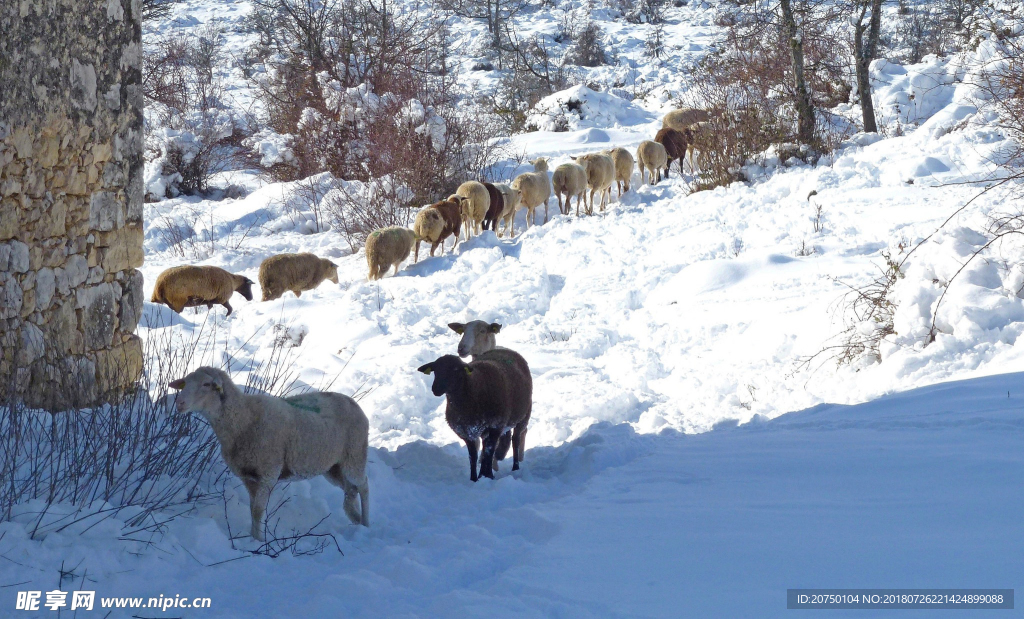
point(70, 199)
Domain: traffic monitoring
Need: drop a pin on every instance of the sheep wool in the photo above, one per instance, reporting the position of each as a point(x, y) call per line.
point(624, 163)
point(295, 272)
point(651, 157)
point(386, 248)
point(675, 146)
point(264, 439)
point(191, 286)
point(600, 176)
point(474, 208)
point(485, 399)
point(510, 204)
point(569, 179)
point(682, 118)
point(535, 189)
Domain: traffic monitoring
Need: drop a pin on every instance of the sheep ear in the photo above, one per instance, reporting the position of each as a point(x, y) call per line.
point(495, 327)
point(426, 369)
point(177, 384)
point(457, 327)
point(469, 370)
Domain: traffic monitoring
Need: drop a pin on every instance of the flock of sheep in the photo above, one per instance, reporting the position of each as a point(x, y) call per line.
point(489, 400)
point(265, 439)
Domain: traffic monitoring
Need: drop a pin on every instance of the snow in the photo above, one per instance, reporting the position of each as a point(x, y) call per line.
point(682, 458)
point(910, 490)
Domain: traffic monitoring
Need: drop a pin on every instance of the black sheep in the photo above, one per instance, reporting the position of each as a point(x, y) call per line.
point(486, 398)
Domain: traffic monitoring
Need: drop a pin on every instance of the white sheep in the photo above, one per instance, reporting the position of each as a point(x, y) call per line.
point(600, 176)
point(569, 179)
point(535, 188)
point(264, 439)
point(682, 119)
point(651, 157)
point(511, 199)
point(475, 208)
point(387, 248)
point(623, 168)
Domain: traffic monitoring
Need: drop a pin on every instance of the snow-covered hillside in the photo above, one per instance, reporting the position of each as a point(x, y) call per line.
point(683, 459)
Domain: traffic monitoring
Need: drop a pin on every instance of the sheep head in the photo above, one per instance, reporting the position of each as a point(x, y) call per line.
point(477, 336)
point(332, 271)
point(449, 371)
point(540, 164)
point(245, 288)
point(202, 391)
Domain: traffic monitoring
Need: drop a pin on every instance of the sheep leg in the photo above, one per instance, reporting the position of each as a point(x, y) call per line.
point(227, 305)
point(546, 209)
point(416, 256)
point(518, 445)
point(491, 437)
point(259, 496)
point(471, 447)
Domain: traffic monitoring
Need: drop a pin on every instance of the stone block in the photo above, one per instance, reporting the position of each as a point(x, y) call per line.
point(120, 367)
point(98, 315)
point(105, 211)
point(131, 301)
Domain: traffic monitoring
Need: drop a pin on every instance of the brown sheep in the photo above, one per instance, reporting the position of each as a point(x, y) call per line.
point(475, 209)
point(675, 144)
point(191, 286)
point(295, 272)
point(651, 157)
point(495, 210)
point(623, 168)
point(450, 213)
point(682, 118)
point(388, 247)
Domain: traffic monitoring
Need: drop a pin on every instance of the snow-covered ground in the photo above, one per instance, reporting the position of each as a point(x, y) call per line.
point(916, 490)
point(682, 460)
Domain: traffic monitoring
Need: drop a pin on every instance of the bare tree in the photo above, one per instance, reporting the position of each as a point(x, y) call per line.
point(495, 12)
point(865, 51)
point(802, 98)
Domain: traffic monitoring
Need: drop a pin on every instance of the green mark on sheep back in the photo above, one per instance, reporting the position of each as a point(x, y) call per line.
point(306, 402)
point(375, 234)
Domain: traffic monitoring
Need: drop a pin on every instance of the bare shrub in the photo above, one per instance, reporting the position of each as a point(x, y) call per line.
point(748, 82)
point(365, 92)
point(190, 130)
point(155, 9)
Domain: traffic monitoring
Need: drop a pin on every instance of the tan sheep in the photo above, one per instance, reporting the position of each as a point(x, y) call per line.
point(535, 188)
point(623, 168)
point(600, 176)
point(475, 209)
point(191, 286)
point(264, 439)
point(388, 247)
point(295, 272)
point(511, 198)
point(651, 157)
point(681, 119)
point(569, 179)
point(698, 133)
